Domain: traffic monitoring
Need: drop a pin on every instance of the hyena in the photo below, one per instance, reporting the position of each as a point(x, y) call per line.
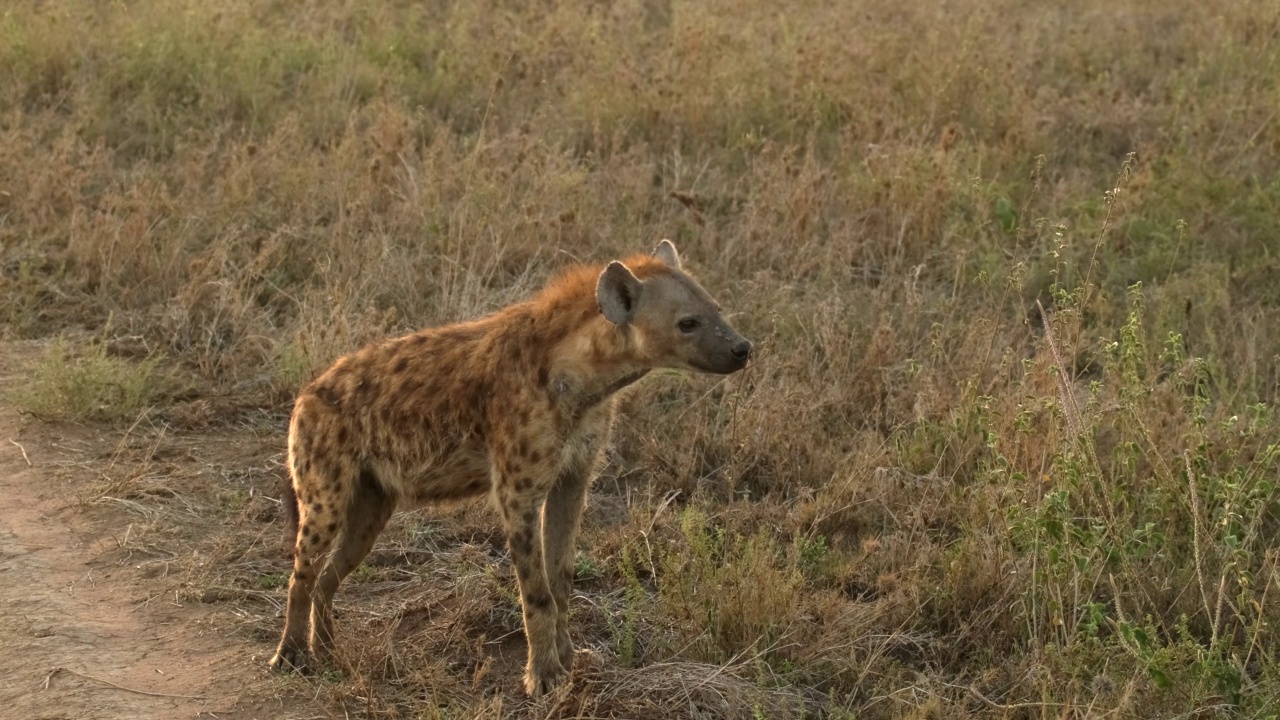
point(517, 405)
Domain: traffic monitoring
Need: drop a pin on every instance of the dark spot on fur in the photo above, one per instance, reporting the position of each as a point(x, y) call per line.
point(317, 507)
point(523, 484)
point(328, 394)
point(539, 601)
point(401, 365)
point(543, 376)
point(306, 531)
point(342, 434)
point(530, 517)
point(333, 527)
point(523, 448)
point(522, 543)
point(535, 456)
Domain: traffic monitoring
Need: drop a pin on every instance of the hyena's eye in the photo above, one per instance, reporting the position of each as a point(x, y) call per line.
point(687, 325)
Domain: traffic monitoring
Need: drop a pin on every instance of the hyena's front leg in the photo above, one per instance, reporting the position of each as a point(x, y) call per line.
point(560, 530)
point(521, 498)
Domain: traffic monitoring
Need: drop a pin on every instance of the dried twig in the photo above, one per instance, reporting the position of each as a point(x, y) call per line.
point(1069, 407)
point(24, 452)
point(57, 670)
point(1197, 539)
point(1006, 706)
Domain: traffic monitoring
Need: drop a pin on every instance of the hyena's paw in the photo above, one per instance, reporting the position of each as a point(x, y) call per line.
point(542, 680)
point(291, 659)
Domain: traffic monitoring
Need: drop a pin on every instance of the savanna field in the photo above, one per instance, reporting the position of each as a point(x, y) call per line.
point(1008, 447)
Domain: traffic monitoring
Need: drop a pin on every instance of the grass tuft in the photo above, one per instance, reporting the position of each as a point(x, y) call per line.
point(89, 384)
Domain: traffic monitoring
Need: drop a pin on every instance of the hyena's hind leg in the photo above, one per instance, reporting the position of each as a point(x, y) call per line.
point(367, 513)
point(323, 495)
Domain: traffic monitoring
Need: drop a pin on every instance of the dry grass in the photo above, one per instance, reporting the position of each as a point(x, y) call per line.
point(928, 498)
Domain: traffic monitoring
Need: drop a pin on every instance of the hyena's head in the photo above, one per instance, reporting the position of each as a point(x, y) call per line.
point(674, 322)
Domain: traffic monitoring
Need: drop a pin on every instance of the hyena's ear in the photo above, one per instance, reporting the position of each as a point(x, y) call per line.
point(666, 252)
point(618, 293)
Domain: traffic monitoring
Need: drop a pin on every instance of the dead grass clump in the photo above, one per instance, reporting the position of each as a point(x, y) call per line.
point(696, 691)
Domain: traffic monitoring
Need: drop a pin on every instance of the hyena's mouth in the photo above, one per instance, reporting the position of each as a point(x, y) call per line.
point(727, 366)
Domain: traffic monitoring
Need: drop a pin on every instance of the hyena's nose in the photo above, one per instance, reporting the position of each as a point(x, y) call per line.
point(742, 351)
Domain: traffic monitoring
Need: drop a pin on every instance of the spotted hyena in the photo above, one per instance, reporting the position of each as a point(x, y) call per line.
point(517, 405)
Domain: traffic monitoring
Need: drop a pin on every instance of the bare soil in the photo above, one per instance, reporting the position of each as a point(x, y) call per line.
point(90, 628)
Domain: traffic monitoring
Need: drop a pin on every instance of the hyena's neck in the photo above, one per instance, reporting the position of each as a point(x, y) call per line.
point(595, 361)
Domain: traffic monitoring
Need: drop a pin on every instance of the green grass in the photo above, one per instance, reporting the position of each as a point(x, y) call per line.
point(89, 385)
point(915, 504)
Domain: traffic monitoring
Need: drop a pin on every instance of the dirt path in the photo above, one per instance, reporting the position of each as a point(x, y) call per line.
point(66, 606)
point(83, 633)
